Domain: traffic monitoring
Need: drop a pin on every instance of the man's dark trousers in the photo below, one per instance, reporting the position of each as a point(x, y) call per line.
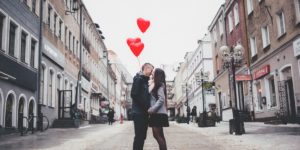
point(140, 128)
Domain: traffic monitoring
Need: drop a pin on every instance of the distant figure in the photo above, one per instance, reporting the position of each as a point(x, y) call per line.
point(111, 115)
point(194, 113)
point(188, 112)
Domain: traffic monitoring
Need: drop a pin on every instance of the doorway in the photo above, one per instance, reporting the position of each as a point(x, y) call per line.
point(9, 111)
point(21, 112)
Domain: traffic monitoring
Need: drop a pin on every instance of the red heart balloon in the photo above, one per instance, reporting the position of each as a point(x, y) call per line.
point(136, 48)
point(143, 24)
point(133, 40)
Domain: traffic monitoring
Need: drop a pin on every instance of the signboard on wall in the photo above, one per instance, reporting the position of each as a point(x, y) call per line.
point(261, 72)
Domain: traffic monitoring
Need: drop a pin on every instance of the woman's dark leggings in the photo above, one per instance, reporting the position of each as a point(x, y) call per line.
point(158, 134)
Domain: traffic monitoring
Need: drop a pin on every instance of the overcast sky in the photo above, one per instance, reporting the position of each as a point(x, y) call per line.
point(176, 25)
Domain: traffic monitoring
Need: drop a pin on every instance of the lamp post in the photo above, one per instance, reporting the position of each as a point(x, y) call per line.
point(186, 88)
point(233, 56)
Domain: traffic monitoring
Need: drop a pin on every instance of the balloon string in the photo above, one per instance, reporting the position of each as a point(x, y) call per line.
point(139, 62)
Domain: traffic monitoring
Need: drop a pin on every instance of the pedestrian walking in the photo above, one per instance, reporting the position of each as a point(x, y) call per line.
point(158, 110)
point(140, 104)
point(111, 115)
point(188, 113)
point(194, 114)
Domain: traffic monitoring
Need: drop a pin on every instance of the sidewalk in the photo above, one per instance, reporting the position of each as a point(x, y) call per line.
point(258, 135)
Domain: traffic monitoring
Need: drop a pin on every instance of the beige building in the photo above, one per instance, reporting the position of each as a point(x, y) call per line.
point(61, 61)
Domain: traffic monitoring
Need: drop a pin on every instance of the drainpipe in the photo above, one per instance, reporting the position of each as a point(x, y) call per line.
point(39, 108)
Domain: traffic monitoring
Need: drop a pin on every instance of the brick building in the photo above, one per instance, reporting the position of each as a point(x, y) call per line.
point(273, 32)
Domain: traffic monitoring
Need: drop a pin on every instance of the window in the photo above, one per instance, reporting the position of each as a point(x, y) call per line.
point(250, 6)
point(2, 17)
point(33, 6)
point(66, 36)
point(280, 24)
point(215, 34)
point(50, 88)
point(54, 24)
point(73, 47)
point(77, 48)
point(12, 39)
point(253, 46)
point(59, 29)
point(236, 14)
point(42, 84)
point(70, 35)
point(272, 92)
point(265, 36)
point(230, 21)
point(218, 66)
point(23, 46)
point(32, 54)
point(220, 26)
point(49, 16)
point(297, 10)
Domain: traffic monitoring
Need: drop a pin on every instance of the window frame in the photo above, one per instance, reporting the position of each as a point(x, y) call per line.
point(230, 22)
point(4, 39)
point(236, 14)
point(36, 51)
point(26, 46)
point(16, 52)
point(266, 42)
point(279, 21)
point(250, 7)
point(253, 49)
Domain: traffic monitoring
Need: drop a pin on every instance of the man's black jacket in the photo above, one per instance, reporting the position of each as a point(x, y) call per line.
point(140, 95)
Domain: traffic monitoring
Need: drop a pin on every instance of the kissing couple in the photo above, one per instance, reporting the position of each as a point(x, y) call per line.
point(149, 105)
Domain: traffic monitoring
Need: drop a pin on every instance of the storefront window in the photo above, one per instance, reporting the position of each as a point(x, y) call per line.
point(272, 92)
point(259, 97)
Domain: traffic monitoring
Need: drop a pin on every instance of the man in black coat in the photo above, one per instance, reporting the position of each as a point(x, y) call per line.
point(140, 104)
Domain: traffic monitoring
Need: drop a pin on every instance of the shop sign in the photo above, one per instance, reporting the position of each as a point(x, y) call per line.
point(261, 72)
point(242, 77)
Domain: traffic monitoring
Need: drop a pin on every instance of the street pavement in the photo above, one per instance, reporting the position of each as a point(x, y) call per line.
point(179, 137)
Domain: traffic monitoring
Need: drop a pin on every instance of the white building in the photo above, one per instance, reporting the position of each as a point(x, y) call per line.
point(200, 64)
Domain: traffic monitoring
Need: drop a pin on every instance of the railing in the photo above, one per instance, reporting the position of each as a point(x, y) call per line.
point(29, 126)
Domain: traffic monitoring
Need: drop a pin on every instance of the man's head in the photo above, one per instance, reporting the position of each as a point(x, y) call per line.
point(147, 69)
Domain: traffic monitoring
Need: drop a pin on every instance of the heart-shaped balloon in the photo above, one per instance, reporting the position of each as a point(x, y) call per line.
point(137, 48)
point(133, 40)
point(143, 24)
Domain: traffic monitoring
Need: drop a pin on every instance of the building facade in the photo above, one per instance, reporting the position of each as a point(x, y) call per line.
point(19, 42)
point(273, 33)
point(200, 70)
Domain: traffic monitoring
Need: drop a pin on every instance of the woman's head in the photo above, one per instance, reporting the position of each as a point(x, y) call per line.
point(159, 78)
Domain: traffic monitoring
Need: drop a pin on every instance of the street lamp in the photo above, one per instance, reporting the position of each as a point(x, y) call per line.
point(233, 56)
point(186, 87)
point(203, 77)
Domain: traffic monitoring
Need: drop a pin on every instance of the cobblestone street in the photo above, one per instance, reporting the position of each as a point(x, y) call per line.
point(103, 137)
point(179, 137)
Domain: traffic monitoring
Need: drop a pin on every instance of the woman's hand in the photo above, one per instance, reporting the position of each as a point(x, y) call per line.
point(150, 111)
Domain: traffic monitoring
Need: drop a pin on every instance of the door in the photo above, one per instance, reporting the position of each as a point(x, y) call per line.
point(241, 95)
point(9, 112)
point(291, 100)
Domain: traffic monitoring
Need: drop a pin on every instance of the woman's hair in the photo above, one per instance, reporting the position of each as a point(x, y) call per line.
point(159, 80)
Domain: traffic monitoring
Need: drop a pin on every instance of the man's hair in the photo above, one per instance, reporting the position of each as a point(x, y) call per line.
point(146, 64)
